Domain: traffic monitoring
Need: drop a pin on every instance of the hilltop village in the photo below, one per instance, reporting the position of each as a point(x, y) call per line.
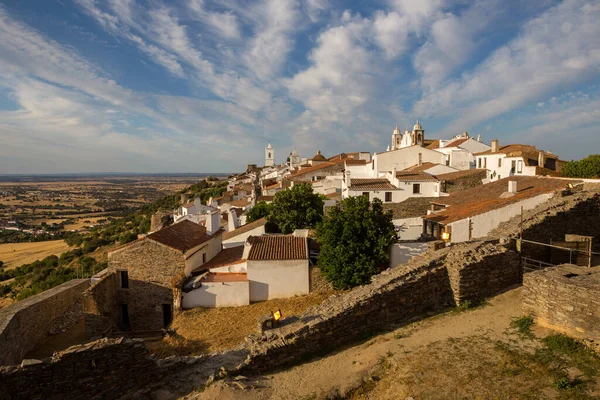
point(471, 218)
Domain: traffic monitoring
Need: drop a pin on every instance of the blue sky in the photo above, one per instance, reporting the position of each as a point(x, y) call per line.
point(202, 85)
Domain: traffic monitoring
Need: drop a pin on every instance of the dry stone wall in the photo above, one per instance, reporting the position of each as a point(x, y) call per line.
point(565, 298)
point(100, 307)
point(24, 324)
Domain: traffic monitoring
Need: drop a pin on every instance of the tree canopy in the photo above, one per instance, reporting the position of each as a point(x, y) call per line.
point(260, 210)
point(588, 167)
point(296, 208)
point(355, 238)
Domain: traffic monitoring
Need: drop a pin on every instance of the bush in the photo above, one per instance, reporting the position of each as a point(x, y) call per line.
point(260, 210)
point(355, 238)
point(588, 167)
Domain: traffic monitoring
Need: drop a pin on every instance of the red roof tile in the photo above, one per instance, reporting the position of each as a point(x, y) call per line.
point(422, 167)
point(456, 142)
point(244, 228)
point(519, 150)
point(484, 198)
point(278, 247)
point(371, 184)
point(182, 236)
point(434, 145)
point(225, 277)
point(450, 176)
point(418, 176)
point(230, 256)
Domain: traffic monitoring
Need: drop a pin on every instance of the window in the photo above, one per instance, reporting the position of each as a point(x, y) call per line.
point(416, 188)
point(269, 155)
point(520, 166)
point(167, 313)
point(499, 177)
point(479, 162)
point(125, 316)
point(513, 166)
point(499, 162)
point(366, 194)
point(388, 197)
point(203, 258)
point(484, 162)
point(124, 279)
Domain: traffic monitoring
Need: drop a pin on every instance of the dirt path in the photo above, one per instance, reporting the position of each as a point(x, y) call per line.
point(347, 369)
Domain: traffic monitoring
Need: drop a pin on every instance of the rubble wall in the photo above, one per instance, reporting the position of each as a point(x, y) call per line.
point(565, 298)
point(24, 324)
point(100, 307)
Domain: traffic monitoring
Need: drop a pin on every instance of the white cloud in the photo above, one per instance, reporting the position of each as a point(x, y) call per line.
point(550, 53)
point(224, 23)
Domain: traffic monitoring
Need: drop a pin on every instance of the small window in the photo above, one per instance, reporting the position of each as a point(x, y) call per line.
point(388, 197)
point(519, 166)
point(479, 162)
point(484, 162)
point(499, 162)
point(513, 166)
point(203, 258)
point(124, 280)
point(416, 188)
point(499, 177)
point(366, 194)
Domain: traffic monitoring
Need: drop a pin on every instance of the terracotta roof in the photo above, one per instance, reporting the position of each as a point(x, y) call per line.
point(418, 176)
point(230, 256)
point(422, 167)
point(314, 168)
point(279, 247)
point(355, 162)
point(484, 198)
point(276, 184)
point(456, 142)
point(334, 196)
point(244, 228)
point(319, 157)
point(434, 145)
point(225, 277)
point(241, 202)
point(450, 176)
point(371, 184)
point(265, 198)
point(519, 150)
point(410, 208)
point(182, 236)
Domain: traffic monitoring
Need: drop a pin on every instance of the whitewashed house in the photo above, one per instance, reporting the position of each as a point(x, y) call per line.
point(459, 152)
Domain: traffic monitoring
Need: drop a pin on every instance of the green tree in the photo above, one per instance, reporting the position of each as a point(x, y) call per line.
point(355, 238)
point(296, 208)
point(588, 167)
point(260, 210)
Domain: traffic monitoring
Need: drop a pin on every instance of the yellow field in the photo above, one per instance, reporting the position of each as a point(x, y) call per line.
point(16, 254)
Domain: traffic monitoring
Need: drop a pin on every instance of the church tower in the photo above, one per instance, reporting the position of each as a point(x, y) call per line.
point(396, 138)
point(269, 155)
point(418, 134)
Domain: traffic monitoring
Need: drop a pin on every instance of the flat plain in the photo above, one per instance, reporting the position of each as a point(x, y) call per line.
point(16, 254)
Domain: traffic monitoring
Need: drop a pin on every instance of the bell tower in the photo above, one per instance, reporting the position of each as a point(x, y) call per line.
point(418, 134)
point(269, 155)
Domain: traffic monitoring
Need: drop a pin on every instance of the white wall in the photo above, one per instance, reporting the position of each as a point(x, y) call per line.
point(496, 172)
point(409, 228)
point(239, 240)
point(210, 248)
point(401, 253)
point(404, 158)
point(277, 279)
point(218, 294)
point(482, 224)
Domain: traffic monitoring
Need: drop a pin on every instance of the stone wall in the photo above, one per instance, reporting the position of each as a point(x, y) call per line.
point(565, 298)
point(24, 324)
point(151, 268)
point(100, 307)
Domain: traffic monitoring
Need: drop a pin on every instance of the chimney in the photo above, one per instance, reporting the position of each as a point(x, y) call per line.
point(479, 138)
point(541, 159)
point(495, 146)
point(512, 187)
point(232, 220)
point(213, 222)
point(420, 158)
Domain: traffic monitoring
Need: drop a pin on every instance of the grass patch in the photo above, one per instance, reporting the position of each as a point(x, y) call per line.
point(471, 305)
point(523, 326)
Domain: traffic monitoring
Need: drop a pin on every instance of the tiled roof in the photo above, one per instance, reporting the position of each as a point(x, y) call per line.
point(456, 142)
point(418, 176)
point(434, 145)
point(265, 198)
point(355, 162)
point(423, 167)
point(230, 256)
point(241, 202)
point(484, 198)
point(279, 247)
point(461, 174)
point(315, 168)
point(519, 150)
point(410, 208)
point(182, 236)
point(275, 185)
point(225, 277)
point(371, 184)
point(334, 196)
point(244, 228)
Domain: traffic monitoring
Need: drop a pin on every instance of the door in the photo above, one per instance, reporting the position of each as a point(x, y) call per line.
point(167, 312)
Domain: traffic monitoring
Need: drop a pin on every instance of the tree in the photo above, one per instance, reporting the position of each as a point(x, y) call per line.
point(260, 210)
point(588, 167)
point(355, 238)
point(296, 208)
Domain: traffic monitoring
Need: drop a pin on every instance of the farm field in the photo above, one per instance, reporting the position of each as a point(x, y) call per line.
point(16, 254)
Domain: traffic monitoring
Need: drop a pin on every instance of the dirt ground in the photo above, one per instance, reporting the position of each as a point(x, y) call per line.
point(16, 254)
point(204, 330)
point(472, 354)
